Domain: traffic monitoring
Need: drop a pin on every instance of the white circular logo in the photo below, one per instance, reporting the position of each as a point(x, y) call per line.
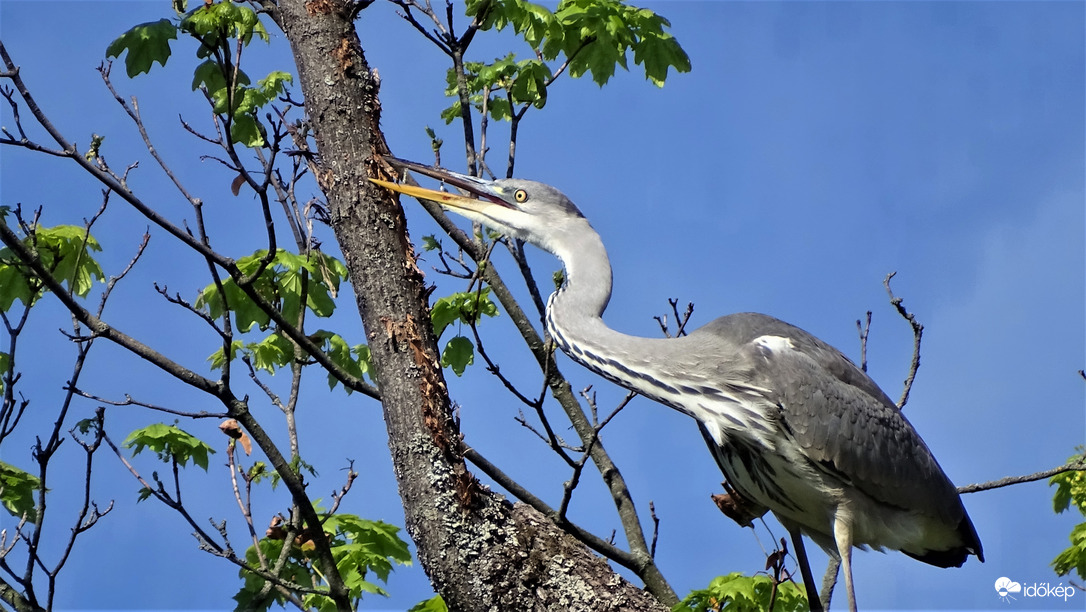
point(1005, 587)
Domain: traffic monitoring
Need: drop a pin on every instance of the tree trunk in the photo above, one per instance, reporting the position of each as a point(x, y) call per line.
point(480, 551)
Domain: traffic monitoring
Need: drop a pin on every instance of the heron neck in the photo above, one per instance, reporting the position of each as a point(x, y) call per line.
point(574, 320)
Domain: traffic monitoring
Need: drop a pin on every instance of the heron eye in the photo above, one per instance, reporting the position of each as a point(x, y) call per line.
point(520, 196)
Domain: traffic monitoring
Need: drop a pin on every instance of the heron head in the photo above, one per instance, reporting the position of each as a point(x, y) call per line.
point(528, 210)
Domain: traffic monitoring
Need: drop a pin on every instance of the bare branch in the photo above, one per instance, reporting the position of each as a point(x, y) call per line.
point(159, 493)
point(918, 331)
point(655, 529)
point(494, 369)
point(101, 173)
point(680, 320)
point(337, 496)
point(864, 329)
point(1076, 465)
point(439, 36)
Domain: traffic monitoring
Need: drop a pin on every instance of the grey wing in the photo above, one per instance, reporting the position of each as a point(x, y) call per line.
point(847, 425)
point(839, 417)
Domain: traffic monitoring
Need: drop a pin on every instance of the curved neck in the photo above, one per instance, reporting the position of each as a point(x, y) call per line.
point(574, 320)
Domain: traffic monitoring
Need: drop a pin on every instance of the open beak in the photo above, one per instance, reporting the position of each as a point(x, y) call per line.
point(481, 193)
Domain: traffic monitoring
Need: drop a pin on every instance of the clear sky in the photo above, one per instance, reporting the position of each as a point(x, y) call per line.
point(814, 148)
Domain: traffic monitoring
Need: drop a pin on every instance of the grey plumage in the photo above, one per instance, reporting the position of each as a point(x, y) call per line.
point(794, 425)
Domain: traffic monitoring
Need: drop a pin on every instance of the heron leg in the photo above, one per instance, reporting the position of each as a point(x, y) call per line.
point(829, 581)
point(805, 570)
point(842, 534)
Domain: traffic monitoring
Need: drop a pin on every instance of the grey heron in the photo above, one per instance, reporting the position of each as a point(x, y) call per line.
point(794, 425)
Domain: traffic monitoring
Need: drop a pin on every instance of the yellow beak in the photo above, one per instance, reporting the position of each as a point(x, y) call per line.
point(444, 198)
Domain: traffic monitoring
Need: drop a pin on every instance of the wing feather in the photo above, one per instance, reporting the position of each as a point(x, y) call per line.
point(838, 416)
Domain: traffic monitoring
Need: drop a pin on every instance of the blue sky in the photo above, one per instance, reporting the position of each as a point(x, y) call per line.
point(814, 148)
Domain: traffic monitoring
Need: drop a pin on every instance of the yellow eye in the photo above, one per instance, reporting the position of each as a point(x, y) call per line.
point(520, 196)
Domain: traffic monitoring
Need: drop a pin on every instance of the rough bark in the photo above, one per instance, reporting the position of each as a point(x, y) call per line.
point(481, 552)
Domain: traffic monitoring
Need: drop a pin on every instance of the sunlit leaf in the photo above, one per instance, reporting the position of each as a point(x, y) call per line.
point(146, 43)
point(17, 489)
point(459, 353)
point(434, 604)
point(740, 593)
point(170, 443)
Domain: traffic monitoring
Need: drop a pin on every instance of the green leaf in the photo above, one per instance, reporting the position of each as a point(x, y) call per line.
point(360, 365)
point(5, 365)
point(64, 250)
point(359, 547)
point(17, 489)
point(595, 36)
point(279, 284)
point(275, 351)
point(271, 87)
point(459, 353)
point(443, 313)
point(170, 443)
point(146, 43)
point(218, 359)
point(371, 545)
point(247, 131)
point(530, 83)
point(1073, 558)
point(294, 570)
point(434, 604)
point(429, 243)
point(740, 593)
point(467, 306)
point(15, 283)
point(1070, 489)
point(215, 22)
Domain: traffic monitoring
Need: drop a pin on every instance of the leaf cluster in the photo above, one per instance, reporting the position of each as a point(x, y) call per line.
point(216, 27)
point(465, 307)
point(283, 279)
point(171, 444)
point(64, 250)
point(736, 592)
point(593, 37)
point(17, 489)
point(1071, 491)
point(360, 547)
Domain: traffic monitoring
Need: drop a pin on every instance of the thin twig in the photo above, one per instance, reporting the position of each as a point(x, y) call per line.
point(129, 401)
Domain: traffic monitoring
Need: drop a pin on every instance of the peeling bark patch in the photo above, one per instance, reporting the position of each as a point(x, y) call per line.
point(344, 56)
point(326, 180)
point(320, 7)
point(411, 262)
point(404, 335)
